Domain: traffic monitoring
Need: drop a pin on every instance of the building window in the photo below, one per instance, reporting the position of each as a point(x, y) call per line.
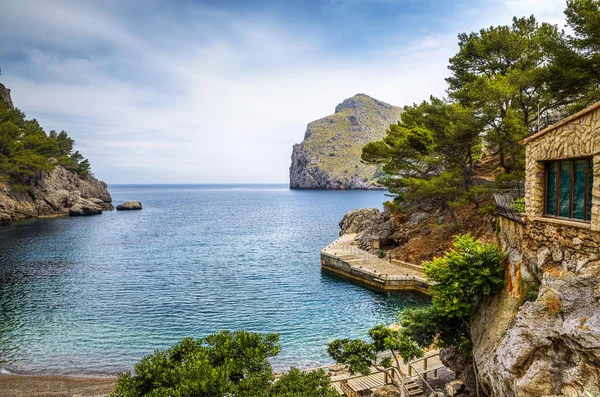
point(569, 189)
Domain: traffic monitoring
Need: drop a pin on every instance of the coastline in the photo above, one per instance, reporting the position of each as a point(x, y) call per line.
point(12, 385)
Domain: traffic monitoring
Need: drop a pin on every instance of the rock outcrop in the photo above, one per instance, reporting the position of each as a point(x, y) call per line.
point(58, 192)
point(130, 205)
point(370, 225)
point(329, 155)
point(5, 96)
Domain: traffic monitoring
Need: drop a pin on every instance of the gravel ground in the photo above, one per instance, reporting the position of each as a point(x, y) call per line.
point(55, 386)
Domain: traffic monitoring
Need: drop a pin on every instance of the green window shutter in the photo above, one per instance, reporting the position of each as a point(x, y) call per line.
point(564, 205)
point(551, 189)
point(579, 189)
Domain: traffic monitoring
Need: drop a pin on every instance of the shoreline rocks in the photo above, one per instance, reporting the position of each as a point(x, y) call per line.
point(129, 206)
point(60, 192)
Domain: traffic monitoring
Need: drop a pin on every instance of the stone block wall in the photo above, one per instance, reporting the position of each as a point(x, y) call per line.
point(578, 136)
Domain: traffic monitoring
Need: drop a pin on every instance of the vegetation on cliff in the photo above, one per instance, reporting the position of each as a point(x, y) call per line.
point(506, 81)
point(222, 364)
point(329, 155)
point(26, 149)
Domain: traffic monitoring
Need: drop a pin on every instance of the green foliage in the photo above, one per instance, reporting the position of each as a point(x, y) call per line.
point(428, 326)
point(470, 270)
point(385, 338)
point(574, 72)
point(360, 355)
point(505, 82)
point(26, 150)
point(296, 383)
point(500, 72)
point(518, 205)
point(222, 364)
point(429, 153)
point(357, 353)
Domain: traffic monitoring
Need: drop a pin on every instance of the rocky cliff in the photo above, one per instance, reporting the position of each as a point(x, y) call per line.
point(329, 155)
point(541, 337)
point(5, 96)
point(58, 192)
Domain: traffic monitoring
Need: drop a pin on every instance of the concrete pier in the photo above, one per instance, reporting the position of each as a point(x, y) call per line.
point(347, 260)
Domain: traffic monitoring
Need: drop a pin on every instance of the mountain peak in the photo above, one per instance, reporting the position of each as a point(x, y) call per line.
point(359, 101)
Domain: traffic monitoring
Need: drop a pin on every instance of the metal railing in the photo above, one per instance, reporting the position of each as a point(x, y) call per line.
point(505, 204)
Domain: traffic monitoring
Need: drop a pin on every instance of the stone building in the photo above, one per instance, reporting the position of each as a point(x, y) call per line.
point(541, 337)
point(563, 172)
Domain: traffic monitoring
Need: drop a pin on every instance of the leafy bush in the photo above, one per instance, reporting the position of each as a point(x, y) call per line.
point(222, 364)
point(360, 355)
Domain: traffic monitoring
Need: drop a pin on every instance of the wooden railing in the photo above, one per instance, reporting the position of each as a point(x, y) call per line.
point(423, 377)
point(347, 390)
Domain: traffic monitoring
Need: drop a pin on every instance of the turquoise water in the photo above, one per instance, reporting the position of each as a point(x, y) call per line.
point(92, 295)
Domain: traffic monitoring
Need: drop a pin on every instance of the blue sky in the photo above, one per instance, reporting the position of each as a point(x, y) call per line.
point(219, 91)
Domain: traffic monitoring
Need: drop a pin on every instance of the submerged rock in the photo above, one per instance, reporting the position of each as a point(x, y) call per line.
point(130, 205)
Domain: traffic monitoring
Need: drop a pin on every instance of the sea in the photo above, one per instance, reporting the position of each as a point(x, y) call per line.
point(93, 295)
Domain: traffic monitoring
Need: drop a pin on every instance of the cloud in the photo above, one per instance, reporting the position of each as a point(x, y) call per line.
point(202, 94)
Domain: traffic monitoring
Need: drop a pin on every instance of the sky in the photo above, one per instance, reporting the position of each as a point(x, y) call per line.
point(160, 91)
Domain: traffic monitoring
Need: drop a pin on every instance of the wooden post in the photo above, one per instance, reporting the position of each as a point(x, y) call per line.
point(425, 368)
point(385, 377)
point(409, 369)
point(435, 375)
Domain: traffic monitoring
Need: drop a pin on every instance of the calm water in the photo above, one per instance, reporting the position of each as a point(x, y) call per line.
point(92, 295)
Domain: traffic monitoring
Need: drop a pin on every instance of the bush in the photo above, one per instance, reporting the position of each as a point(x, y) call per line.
point(223, 364)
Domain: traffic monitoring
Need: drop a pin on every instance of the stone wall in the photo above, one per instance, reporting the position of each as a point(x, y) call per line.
point(383, 282)
point(576, 136)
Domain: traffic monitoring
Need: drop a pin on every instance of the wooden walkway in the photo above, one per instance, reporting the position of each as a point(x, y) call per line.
point(413, 372)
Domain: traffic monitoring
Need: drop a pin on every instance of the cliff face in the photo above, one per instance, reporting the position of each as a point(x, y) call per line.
point(5, 96)
point(58, 192)
point(541, 335)
point(329, 155)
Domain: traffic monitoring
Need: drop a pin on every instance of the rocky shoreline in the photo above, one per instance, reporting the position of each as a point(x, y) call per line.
point(59, 192)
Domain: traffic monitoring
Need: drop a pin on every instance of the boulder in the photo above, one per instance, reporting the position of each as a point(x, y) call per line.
point(357, 220)
point(84, 207)
point(456, 388)
point(130, 205)
point(418, 217)
point(102, 204)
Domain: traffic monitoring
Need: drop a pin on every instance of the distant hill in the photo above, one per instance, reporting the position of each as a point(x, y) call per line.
point(329, 155)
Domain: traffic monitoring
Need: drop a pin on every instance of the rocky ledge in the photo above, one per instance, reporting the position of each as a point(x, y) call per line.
point(329, 155)
point(58, 192)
